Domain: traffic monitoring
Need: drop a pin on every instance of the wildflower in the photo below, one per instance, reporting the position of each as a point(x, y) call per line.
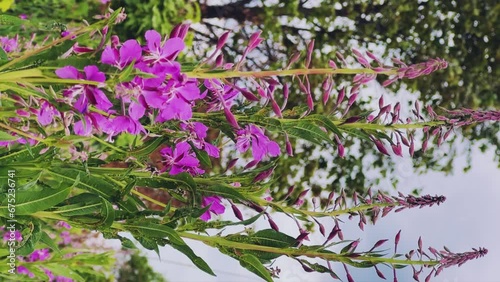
point(130, 51)
point(39, 255)
point(86, 93)
point(16, 235)
point(198, 133)
point(215, 207)
point(261, 145)
point(46, 113)
point(181, 159)
point(161, 52)
point(23, 270)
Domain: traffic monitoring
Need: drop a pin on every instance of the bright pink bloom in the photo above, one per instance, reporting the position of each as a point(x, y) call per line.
point(215, 207)
point(261, 144)
point(86, 94)
point(181, 159)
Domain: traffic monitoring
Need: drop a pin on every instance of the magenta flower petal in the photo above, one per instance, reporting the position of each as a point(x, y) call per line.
point(82, 103)
point(46, 113)
point(130, 51)
point(83, 127)
point(93, 73)
point(215, 207)
point(102, 102)
point(200, 129)
point(211, 150)
point(206, 216)
point(110, 56)
point(136, 110)
point(68, 72)
point(273, 149)
point(172, 47)
point(153, 39)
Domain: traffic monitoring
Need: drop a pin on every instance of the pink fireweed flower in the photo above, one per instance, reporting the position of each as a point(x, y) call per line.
point(23, 270)
point(198, 133)
point(253, 136)
point(181, 159)
point(87, 94)
point(9, 44)
point(16, 235)
point(130, 51)
point(39, 255)
point(161, 52)
point(46, 113)
point(215, 207)
point(63, 224)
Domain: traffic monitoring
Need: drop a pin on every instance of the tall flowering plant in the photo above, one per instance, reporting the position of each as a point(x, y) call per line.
point(91, 125)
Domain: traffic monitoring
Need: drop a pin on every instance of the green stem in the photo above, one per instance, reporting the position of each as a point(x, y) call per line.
point(291, 72)
point(295, 252)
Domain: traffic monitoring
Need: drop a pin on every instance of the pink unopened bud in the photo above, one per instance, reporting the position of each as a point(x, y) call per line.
point(389, 81)
point(249, 95)
point(332, 64)
point(237, 212)
point(276, 108)
point(273, 224)
point(310, 102)
point(412, 148)
point(288, 146)
point(397, 149)
point(352, 98)
point(231, 164)
point(295, 57)
point(380, 147)
point(219, 60)
point(230, 118)
point(254, 40)
point(381, 102)
point(251, 164)
point(222, 40)
point(263, 175)
point(310, 48)
point(396, 241)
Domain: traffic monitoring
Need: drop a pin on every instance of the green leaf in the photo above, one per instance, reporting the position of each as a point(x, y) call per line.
point(148, 148)
point(156, 230)
point(4, 136)
point(273, 238)
point(88, 182)
point(28, 246)
point(127, 75)
point(326, 123)
point(7, 20)
point(45, 238)
point(3, 56)
point(253, 264)
point(319, 268)
point(21, 156)
point(28, 202)
point(108, 213)
point(308, 131)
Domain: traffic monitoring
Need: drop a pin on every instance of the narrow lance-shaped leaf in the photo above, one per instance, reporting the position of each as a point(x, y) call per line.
point(253, 264)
